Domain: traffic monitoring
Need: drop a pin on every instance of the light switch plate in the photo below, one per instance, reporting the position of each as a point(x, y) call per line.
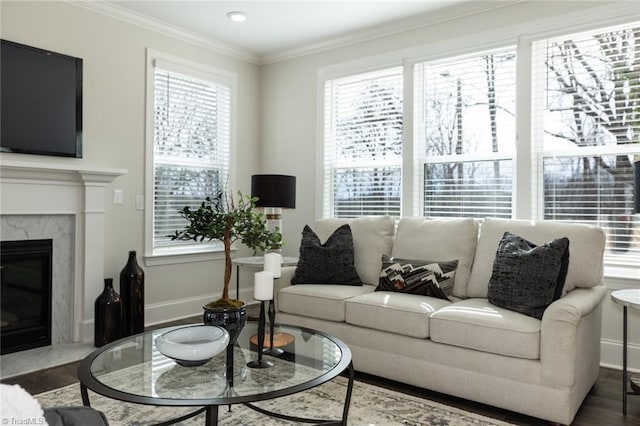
point(139, 202)
point(118, 196)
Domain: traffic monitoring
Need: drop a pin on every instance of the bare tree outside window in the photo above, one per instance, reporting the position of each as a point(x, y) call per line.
point(592, 110)
point(190, 148)
point(575, 159)
point(367, 148)
point(469, 135)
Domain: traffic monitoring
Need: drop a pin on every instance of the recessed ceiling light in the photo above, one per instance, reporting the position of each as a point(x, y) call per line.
point(237, 16)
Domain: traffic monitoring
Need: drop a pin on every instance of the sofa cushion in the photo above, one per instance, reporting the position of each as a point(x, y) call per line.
point(319, 300)
point(421, 277)
point(477, 324)
point(419, 238)
point(527, 278)
point(587, 249)
point(397, 313)
point(330, 262)
point(372, 238)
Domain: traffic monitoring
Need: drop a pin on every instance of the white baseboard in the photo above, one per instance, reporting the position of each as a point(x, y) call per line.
point(611, 355)
point(183, 308)
point(159, 313)
point(174, 310)
point(155, 314)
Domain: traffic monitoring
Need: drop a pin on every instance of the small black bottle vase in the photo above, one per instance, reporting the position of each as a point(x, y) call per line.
point(108, 315)
point(132, 293)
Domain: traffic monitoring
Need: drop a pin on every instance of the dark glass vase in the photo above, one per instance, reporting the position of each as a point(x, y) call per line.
point(132, 293)
point(108, 315)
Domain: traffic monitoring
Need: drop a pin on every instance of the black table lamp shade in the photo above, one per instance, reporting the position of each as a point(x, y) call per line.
point(636, 186)
point(274, 190)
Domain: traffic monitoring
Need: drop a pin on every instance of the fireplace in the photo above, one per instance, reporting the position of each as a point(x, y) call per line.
point(26, 288)
point(63, 201)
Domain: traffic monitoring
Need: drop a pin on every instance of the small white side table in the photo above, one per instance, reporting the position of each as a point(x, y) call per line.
point(628, 298)
point(256, 262)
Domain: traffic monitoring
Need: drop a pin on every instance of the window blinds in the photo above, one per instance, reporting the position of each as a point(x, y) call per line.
point(464, 134)
point(191, 147)
point(586, 103)
point(363, 144)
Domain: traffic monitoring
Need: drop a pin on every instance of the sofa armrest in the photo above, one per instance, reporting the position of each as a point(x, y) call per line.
point(287, 273)
point(570, 335)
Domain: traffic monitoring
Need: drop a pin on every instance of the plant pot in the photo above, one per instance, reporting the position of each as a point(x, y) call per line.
point(231, 319)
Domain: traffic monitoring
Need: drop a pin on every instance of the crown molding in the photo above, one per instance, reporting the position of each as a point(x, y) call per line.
point(117, 12)
point(399, 26)
point(396, 27)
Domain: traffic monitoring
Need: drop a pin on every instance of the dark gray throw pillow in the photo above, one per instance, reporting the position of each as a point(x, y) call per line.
point(527, 278)
point(420, 277)
point(328, 263)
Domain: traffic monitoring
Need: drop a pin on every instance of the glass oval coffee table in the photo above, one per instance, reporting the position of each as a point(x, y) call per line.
point(132, 370)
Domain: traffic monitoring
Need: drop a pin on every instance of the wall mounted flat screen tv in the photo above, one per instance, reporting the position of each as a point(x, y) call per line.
point(41, 101)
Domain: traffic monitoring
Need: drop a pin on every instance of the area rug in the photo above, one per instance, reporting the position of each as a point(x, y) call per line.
point(370, 405)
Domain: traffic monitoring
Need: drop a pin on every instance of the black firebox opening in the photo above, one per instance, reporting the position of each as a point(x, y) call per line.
point(25, 298)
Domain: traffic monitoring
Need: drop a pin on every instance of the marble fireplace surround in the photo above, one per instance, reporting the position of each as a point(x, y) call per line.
point(60, 230)
point(55, 194)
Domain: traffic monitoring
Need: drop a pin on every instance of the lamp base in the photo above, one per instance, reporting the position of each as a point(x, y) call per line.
point(273, 216)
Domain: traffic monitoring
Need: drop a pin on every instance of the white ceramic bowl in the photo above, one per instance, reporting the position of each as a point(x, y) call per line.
point(193, 345)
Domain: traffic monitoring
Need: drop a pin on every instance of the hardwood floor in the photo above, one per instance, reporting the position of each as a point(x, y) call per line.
point(602, 406)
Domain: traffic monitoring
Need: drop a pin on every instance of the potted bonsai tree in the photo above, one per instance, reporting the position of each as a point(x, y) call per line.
point(225, 219)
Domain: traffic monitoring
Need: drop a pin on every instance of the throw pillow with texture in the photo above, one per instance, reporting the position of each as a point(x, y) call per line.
point(527, 278)
point(420, 277)
point(328, 263)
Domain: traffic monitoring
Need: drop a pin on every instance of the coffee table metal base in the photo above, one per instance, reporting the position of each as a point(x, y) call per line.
point(345, 409)
point(211, 411)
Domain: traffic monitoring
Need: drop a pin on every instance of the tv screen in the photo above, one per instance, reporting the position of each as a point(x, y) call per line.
point(41, 101)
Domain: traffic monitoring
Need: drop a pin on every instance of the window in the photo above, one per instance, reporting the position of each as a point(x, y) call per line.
point(363, 144)
point(586, 130)
point(464, 133)
point(577, 119)
point(191, 132)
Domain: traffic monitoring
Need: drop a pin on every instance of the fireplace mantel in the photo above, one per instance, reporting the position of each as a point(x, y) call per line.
point(11, 169)
point(48, 188)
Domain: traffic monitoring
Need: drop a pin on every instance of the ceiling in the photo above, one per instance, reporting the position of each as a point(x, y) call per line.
point(276, 27)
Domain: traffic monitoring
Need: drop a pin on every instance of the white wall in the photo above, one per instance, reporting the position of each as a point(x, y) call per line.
point(290, 106)
point(114, 59)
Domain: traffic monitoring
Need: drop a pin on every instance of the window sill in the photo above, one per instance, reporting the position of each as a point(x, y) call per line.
point(173, 258)
point(618, 277)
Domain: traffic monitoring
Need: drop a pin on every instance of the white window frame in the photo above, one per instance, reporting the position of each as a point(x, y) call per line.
point(335, 164)
point(200, 252)
point(332, 73)
point(540, 153)
point(418, 142)
point(522, 35)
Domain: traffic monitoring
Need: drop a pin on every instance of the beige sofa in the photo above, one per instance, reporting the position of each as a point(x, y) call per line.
point(467, 347)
